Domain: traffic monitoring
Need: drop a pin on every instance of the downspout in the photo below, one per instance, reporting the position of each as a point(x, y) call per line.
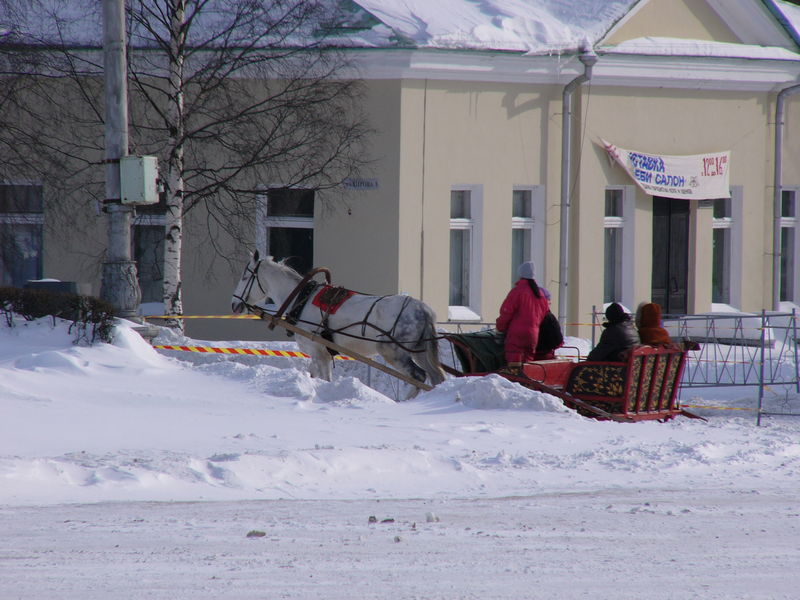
point(588, 58)
point(777, 202)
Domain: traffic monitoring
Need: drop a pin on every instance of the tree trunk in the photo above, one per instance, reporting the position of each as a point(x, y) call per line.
point(173, 299)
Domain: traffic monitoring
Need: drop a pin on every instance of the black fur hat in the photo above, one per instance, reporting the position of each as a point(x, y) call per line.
point(616, 314)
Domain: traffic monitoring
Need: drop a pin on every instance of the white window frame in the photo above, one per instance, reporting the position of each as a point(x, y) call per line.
point(733, 223)
point(627, 223)
point(472, 311)
point(726, 224)
point(793, 223)
point(535, 225)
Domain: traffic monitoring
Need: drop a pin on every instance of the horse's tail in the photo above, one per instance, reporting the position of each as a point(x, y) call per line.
point(429, 358)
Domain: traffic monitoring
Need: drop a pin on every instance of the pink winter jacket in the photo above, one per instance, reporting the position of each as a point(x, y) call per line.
point(520, 317)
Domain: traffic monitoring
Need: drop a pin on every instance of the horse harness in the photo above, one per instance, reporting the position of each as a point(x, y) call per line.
point(329, 299)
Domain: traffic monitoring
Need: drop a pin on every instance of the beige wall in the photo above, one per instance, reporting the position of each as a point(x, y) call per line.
point(356, 234)
point(488, 135)
point(688, 19)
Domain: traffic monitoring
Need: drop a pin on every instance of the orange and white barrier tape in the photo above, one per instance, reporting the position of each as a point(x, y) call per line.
point(247, 351)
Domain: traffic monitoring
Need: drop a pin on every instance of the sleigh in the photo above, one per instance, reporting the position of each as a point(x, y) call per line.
point(644, 387)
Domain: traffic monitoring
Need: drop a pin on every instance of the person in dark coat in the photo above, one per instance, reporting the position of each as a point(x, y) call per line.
point(617, 339)
point(521, 315)
point(648, 321)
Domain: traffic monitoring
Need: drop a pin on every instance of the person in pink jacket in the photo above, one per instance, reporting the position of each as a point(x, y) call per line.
point(520, 316)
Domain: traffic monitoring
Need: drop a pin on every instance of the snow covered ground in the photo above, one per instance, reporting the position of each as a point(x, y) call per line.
point(129, 473)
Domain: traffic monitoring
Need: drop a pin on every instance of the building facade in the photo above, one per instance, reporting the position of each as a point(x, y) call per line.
point(471, 174)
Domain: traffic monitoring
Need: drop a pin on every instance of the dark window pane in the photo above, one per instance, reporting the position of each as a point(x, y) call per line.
point(722, 208)
point(294, 244)
point(788, 203)
point(521, 205)
point(613, 203)
point(612, 258)
point(459, 267)
point(20, 253)
point(288, 202)
point(21, 198)
point(459, 204)
point(720, 276)
point(520, 250)
point(787, 264)
point(148, 252)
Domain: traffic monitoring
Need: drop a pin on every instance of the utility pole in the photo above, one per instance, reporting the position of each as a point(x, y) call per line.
point(120, 284)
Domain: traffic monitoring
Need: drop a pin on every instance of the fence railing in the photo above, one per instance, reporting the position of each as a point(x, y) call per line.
point(737, 349)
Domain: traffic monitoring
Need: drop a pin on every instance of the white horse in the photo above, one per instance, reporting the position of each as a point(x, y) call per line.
point(398, 328)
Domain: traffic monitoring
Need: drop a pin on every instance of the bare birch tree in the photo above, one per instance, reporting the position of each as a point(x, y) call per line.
point(232, 95)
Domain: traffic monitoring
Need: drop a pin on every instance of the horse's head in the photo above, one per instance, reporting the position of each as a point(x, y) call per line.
point(249, 290)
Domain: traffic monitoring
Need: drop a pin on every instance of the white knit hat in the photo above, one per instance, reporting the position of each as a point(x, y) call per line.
point(527, 270)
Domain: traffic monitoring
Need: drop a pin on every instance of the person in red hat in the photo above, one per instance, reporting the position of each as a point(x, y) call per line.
point(648, 320)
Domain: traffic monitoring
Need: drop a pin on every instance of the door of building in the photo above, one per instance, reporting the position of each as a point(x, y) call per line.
point(670, 254)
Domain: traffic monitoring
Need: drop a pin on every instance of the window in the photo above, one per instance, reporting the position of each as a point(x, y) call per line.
point(460, 247)
point(147, 249)
point(527, 230)
point(148, 252)
point(788, 275)
point(286, 227)
point(721, 252)
point(21, 224)
point(619, 239)
point(465, 219)
point(521, 230)
point(612, 246)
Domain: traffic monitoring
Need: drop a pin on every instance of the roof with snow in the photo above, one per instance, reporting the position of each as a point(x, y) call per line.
point(526, 26)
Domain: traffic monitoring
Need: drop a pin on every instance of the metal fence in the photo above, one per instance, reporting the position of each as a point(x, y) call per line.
point(736, 349)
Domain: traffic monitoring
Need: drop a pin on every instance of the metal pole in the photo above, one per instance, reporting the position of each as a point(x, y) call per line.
point(761, 368)
point(794, 346)
point(588, 58)
point(777, 203)
point(120, 285)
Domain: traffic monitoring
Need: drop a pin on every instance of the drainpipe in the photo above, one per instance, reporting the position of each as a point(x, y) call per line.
point(777, 196)
point(588, 58)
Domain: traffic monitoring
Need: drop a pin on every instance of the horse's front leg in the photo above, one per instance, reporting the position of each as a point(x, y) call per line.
point(321, 363)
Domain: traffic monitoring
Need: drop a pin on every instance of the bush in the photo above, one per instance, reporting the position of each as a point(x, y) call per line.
point(91, 317)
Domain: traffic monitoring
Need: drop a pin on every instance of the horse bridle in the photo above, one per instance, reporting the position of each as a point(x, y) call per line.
point(249, 285)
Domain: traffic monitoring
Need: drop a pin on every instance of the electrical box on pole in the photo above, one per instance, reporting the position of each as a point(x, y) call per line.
point(138, 179)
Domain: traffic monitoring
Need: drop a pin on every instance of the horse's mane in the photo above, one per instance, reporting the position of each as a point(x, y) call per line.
point(286, 269)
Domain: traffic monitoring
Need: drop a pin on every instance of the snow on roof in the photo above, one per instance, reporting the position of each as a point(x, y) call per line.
point(510, 25)
point(664, 46)
point(536, 27)
point(514, 25)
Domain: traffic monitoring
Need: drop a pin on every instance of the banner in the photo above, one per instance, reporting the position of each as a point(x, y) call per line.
point(692, 177)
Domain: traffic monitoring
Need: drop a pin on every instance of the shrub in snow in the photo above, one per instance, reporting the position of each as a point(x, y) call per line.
point(91, 317)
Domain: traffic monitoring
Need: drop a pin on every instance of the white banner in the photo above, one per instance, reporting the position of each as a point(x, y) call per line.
point(693, 177)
